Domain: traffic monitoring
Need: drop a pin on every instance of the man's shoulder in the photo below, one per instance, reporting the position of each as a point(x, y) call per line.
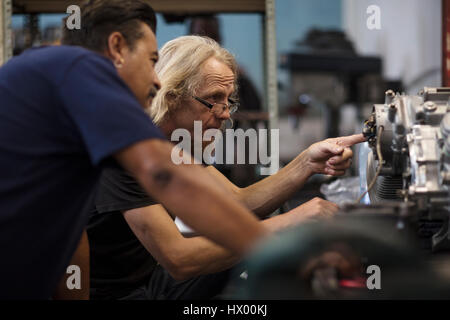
point(52, 62)
point(68, 53)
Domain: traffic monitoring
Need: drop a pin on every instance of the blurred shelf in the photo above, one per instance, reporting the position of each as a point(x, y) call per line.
point(160, 6)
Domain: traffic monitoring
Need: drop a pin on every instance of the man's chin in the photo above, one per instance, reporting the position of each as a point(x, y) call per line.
point(214, 128)
point(222, 126)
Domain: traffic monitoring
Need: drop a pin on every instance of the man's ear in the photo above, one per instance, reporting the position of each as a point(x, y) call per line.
point(172, 101)
point(116, 48)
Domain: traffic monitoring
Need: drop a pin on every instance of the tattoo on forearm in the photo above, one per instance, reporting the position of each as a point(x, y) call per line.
point(162, 178)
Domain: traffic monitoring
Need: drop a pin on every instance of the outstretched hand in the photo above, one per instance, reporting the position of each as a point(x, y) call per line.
point(332, 156)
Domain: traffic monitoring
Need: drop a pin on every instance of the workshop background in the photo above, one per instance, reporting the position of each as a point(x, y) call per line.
point(333, 61)
point(331, 67)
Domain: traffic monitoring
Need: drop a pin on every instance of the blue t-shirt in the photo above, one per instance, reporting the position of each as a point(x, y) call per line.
point(63, 110)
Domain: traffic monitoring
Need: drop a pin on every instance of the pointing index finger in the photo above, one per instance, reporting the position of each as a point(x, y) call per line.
point(348, 141)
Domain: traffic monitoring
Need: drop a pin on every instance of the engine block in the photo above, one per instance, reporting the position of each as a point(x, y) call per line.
point(415, 148)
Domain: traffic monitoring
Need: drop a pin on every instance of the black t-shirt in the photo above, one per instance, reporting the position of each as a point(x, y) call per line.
point(118, 260)
point(63, 111)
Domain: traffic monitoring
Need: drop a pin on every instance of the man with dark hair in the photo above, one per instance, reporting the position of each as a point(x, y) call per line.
point(66, 113)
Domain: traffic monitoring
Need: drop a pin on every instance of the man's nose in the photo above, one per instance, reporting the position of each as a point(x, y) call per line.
point(225, 115)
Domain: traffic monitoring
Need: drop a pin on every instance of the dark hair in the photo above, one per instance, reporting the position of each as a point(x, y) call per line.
point(100, 18)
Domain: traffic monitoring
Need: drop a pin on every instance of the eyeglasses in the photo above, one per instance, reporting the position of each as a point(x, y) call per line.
point(219, 108)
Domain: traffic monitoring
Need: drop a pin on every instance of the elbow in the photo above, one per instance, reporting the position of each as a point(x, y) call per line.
point(179, 274)
point(180, 270)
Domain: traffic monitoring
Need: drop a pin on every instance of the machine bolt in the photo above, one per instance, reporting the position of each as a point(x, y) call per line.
point(389, 93)
point(389, 96)
point(430, 106)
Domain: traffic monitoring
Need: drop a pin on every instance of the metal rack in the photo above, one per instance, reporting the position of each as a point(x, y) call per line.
point(6, 46)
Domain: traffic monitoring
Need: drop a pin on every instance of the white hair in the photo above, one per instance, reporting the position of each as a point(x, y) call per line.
point(178, 68)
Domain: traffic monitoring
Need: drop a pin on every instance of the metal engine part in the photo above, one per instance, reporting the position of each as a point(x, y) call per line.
point(415, 147)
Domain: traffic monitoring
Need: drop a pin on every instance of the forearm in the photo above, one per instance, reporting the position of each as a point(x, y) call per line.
point(202, 205)
point(190, 193)
point(196, 256)
point(182, 257)
point(270, 193)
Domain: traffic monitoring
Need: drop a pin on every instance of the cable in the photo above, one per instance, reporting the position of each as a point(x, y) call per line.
point(380, 163)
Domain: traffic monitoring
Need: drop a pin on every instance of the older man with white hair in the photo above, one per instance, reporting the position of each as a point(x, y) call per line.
point(137, 251)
